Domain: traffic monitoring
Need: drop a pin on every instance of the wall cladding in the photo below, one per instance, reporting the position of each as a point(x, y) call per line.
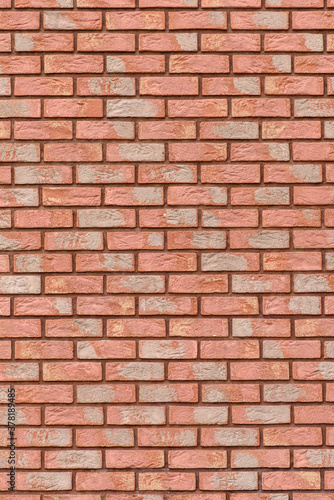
point(166, 248)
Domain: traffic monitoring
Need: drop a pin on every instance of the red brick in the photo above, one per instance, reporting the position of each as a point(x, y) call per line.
point(44, 42)
point(166, 234)
point(43, 86)
point(72, 20)
point(73, 64)
point(14, 65)
point(261, 64)
point(145, 20)
point(259, 20)
point(197, 108)
point(241, 85)
point(72, 108)
point(230, 42)
point(46, 130)
point(100, 42)
point(298, 42)
point(296, 85)
point(20, 20)
point(197, 20)
point(136, 64)
point(198, 64)
point(73, 152)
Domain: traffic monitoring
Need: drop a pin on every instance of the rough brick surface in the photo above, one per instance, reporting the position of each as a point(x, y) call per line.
point(167, 248)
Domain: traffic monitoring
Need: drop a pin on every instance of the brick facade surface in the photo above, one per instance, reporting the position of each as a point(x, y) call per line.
point(167, 248)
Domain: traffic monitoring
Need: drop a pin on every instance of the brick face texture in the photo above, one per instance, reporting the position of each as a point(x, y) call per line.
point(167, 248)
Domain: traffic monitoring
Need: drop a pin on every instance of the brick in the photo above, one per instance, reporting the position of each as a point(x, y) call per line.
point(105, 86)
point(168, 42)
point(259, 239)
point(288, 130)
point(229, 130)
point(106, 394)
point(104, 174)
point(293, 480)
point(230, 174)
point(169, 481)
point(43, 86)
point(72, 20)
point(260, 370)
point(166, 248)
point(260, 196)
point(307, 64)
point(230, 42)
point(5, 42)
point(102, 480)
point(105, 262)
point(40, 42)
point(168, 306)
point(160, 393)
point(172, 85)
point(288, 218)
point(261, 152)
point(260, 107)
point(72, 108)
point(261, 63)
point(134, 196)
point(287, 349)
point(170, 437)
point(73, 152)
point(281, 173)
point(134, 152)
point(105, 305)
point(298, 42)
point(167, 349)
point(13, 65)
point(237, 218)
point(48, 130)
point(198, 284)
point(129, 327)
point(197, 20)
point(231, 86)
point(98, 42)
point(198, 327)
point(296, 85)
point(198, 64)
point(42, 263)
point(229, 306)
point(167, 130)
point(229, 481)
point(20, 20)
point(261, 458)
point(196, 371)
point(136, 64)
point(267, 283)
point(153, 459)
point(286, 436)
point(230, 437)
point(134, 370)
point(44, 306)
point(197, 108)
point(199, 459)
point(79, 459)
point(73, 64)
point(145, 20)
point(197, 151)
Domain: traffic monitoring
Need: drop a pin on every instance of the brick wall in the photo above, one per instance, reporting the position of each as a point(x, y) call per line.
point(166, 248)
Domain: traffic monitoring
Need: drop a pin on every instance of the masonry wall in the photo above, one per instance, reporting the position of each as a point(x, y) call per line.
point(166, 248)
